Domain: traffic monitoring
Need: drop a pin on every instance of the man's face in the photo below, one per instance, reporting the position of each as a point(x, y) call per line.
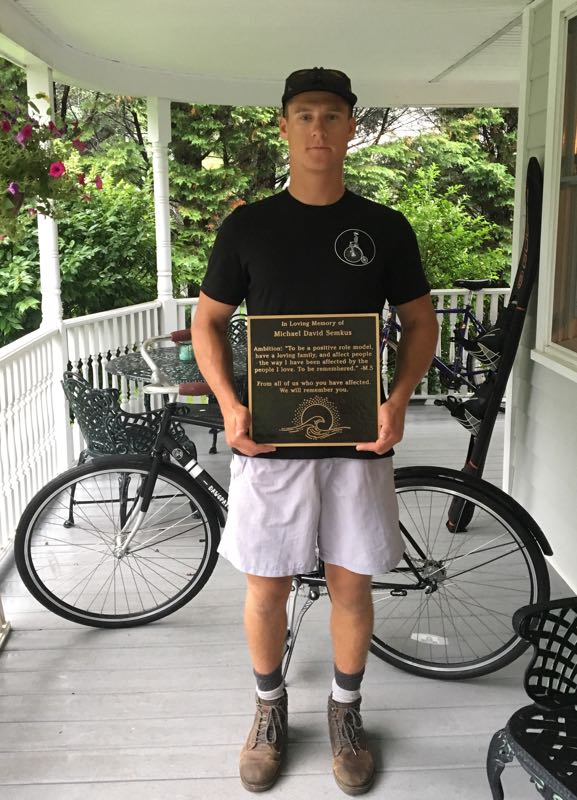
point(318, 127)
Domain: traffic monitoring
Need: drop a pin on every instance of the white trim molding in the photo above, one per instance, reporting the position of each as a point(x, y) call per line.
point(547, 353)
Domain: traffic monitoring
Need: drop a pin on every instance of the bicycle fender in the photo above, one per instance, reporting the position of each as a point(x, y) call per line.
point(488, 488)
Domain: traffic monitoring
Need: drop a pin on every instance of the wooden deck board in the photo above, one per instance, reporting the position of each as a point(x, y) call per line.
point(162, 711)
point(439, 784)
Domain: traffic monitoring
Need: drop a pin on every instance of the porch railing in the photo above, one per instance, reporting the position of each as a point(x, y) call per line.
point(30, 418)
point(36, 440)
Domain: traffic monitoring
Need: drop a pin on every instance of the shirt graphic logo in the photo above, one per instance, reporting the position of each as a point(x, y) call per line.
point(355, 247)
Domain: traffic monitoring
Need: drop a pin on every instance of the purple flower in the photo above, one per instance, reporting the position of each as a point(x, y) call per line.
point(13, 188)
point(24, 134)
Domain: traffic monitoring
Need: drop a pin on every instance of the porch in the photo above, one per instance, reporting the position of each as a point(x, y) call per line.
point(118, 714)
point(122, 714)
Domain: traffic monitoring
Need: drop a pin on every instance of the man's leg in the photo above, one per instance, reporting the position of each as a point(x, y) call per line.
point(351, 630)
point(351, 617)
point(265, 626)
point(265, 620)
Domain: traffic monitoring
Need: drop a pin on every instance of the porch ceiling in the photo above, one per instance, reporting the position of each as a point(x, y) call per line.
point(398, 52)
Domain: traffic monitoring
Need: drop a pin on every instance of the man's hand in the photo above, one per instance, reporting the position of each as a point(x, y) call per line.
point(391, 428)
point(236, 428)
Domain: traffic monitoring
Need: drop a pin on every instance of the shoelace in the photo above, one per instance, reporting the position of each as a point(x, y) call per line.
point(348, 727)
point(269, 724)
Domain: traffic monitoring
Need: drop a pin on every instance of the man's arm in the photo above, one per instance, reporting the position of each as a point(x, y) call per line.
point(414, 355)
point(214, 358)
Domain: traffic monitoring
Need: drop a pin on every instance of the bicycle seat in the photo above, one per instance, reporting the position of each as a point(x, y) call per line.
point(477, 285)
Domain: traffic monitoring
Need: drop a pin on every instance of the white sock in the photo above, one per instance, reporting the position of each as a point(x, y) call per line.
point(274, 694)
point(344, 696)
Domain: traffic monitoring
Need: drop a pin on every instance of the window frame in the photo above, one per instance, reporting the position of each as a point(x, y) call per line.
point(555, 356)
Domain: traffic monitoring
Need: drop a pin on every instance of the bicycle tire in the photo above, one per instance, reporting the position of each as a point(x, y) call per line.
point(64, 544)
point(462, 628)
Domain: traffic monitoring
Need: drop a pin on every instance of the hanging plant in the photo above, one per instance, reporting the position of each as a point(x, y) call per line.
point(40, 164)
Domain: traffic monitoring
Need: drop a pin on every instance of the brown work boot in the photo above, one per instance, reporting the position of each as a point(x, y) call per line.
point(353, 765)
point(262, 756)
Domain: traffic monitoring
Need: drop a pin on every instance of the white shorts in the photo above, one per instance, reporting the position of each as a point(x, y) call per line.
point(282, 510)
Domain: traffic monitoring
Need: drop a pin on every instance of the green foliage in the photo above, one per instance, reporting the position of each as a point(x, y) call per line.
point(108, 251)
point(221, 156)
point(19, 286)
point(107, 260)
point(454, 183)
point(472, 147)
point(452, 188)
point(451, 239)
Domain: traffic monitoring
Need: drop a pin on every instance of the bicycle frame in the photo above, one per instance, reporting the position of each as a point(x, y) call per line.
point(455, 372)
point(166, 445)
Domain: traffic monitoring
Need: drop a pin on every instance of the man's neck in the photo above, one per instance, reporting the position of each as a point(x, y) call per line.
point(316, 190)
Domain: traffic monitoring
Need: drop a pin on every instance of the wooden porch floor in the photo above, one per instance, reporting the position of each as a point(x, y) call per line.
point(161, 712)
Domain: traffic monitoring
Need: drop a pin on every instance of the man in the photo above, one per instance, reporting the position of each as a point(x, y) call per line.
point(313, 248)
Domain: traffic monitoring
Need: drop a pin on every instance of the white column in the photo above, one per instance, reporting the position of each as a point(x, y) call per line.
point(39, 79)
point(159, 135)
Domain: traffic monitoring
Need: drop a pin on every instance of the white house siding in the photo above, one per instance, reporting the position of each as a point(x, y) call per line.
point(541, 468)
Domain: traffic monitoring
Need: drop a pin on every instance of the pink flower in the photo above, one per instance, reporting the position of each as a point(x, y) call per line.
point(13, 188)
point(81, 178)
point(57, 169)
point(98, 182)
point(6, 126)
point(24, 134)
point(80, 146)
point(32, 212)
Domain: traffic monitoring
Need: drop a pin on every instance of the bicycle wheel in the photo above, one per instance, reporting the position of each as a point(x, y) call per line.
point(453, 619)
point(66, 539)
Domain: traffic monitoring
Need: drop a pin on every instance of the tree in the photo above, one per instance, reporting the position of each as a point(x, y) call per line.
point(451, 240)
point(463, 152)
point(221, 156)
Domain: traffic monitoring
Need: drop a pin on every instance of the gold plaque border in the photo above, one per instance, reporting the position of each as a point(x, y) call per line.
point(312, 316)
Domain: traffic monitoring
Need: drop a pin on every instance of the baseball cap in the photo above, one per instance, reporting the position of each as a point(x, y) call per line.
point(319, 79)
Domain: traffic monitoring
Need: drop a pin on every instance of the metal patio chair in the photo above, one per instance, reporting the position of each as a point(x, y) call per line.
point(109, 430)
point(543, 736)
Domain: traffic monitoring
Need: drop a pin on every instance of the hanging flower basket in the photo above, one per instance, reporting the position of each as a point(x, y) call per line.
point(40, 164)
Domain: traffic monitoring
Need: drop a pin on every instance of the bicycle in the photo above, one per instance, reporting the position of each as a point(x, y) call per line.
point(126, 540)
point(469, 368)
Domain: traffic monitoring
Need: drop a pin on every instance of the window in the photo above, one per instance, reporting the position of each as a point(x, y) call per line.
point(564, 318)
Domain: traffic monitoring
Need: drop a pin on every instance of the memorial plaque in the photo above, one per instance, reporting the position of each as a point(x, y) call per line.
point(314, 379)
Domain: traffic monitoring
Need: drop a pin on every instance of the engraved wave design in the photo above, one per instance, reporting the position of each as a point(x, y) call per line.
point(310, 422)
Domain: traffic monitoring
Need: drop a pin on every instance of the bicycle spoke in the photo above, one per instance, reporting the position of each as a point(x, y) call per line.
point(457, 617)
point(79, 564)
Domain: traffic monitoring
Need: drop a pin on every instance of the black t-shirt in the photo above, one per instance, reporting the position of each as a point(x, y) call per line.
point(286, 257)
